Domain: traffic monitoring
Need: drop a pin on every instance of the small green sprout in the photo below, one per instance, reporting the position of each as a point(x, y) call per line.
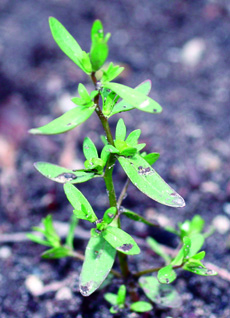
point(107, 238)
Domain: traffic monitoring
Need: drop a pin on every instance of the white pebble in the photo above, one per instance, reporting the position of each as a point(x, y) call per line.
point(192, 52)
point(5, 252)
point(63, 293)
point(221, 224)
point(34, 285)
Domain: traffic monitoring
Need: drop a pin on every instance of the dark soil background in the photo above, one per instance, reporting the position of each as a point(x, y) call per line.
point(184, 48)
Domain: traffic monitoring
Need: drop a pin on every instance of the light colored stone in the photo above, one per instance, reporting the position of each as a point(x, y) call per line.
point(192, 52)
point(221, 224)
point(5, 252)
point(64, 293)
point(34, 285)
point(208, 161)
point(226, 208)
point(210, 187)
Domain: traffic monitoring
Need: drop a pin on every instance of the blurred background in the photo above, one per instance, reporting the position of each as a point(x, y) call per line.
point(183, 47)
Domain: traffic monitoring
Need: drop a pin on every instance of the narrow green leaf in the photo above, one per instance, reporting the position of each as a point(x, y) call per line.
point(151, 158)
point(137, 217)
point(89, 149)
point(70, 235)
point(161, 294)
point(69, 45)
point(124, 105)
point(199, 270)
point(66, 122)
point(50, 232)
point(141, 306)
point(197, 224)
point(79, 202)
point(120, 240)
point(62, 175)
point(199, 256)
point(82, 91)
point(98, 55)
point(121, 295)
point(133, 137)
point(135, 98)
point(38, 239)
point(99, 259)
point(183, 253)
point(111, 72)
point(155, 246)
point(57, 252)
point(111, 298)
point(166, 275)
point(197, 241)
point(97, 31)
point(120, 130)
point(146, 179)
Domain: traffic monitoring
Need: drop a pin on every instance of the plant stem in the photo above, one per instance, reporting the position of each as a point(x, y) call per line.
point(108, 174)
point(123, 193)
point(152, 270)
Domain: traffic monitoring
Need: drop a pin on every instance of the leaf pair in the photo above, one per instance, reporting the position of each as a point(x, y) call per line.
point(118, 302)
point(52, 240)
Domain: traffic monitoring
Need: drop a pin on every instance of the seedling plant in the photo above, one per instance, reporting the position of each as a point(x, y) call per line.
point(108, 239)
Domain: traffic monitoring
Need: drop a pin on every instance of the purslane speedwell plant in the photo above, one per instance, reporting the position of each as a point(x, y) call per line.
point(107, 238)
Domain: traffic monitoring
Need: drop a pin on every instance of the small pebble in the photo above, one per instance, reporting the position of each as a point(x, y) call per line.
point(192, 52)
point(226, 208)
point(63, 293)
point(210, 187)
point(34, 285)
point(208, 161)
point(221, 224)
point(5, 252)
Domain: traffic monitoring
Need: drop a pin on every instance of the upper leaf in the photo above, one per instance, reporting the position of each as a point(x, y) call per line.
point(156, 247)
point(89, 149)
point(135, 98)
point(66, 122)
point(125, 105)
point(79, 202)
point(136, 217)
point(145, 178)
point(120, 130)
point(111, 72)
point(99, 259)
point(141, 306)
point(69, 45)
point(120, 240)
point(121, 295)
point(62, 175)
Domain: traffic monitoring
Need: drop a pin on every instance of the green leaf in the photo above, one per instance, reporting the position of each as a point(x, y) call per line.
point(151, 158)
point(62, 175)
point(85, 99)
point(141, 306)
point(161, 294)
point(120, 130)
point(121, 295)
point(109, 215)
point(98, 55)
point(135, 98)
point(57, 252)
point(137, 217)
point(66, 122)
point(199, 270)
point(133, 137)
point(199, 256)
point(197, 224)
point(69, 45)
point(183, 253)
point(70, 235)
point(79, 202)
point(156, 247)
point(124, 105)
point(97, 31)
point(146, 179)
point(50, 232)
point(166, 275)
point(111, 72)
point(99, 259)
point(38, 239)
point(89, 149)
point(111, 298)
point(106, 151)
point(120, 240)
point(197, 241)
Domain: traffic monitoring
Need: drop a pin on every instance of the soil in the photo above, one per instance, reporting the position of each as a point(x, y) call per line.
point(183, 47)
